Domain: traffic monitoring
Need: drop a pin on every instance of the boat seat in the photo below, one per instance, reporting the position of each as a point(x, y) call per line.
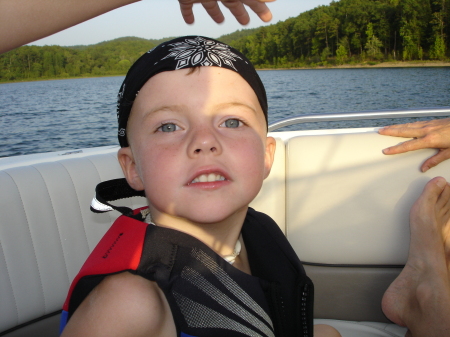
point(347, 217)
point(352, 246)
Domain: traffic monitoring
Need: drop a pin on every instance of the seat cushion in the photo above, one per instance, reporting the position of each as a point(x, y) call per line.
point(348, 203)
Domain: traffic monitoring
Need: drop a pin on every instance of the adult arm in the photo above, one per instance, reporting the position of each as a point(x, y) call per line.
point(24, 21)
point(427, 134)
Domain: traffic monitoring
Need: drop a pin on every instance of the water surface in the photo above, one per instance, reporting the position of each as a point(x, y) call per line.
point(68, 114)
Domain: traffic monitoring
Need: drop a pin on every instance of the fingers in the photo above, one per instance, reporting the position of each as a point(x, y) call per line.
point(260, 8)
point(415, 125)
point(436, 159)
point(409, 145)
point(186, 11)
point(416, 129)
point(406, 125)
point(238, 10)
point(417, 144)
point(403, 130)
point(213, 9)
point(236, 7)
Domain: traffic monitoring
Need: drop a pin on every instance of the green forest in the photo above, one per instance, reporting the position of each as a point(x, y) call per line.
point(344, 32)
point(354, 31)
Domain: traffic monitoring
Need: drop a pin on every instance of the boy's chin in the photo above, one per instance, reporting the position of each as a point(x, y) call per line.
point(205, 216)
point(210, 217)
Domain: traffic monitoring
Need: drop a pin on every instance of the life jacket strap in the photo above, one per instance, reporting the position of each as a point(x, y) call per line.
point(111, 190)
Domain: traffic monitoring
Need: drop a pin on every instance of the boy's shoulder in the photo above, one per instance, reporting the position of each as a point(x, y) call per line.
point(137, 305)
point(261, 224)
point(260, 230)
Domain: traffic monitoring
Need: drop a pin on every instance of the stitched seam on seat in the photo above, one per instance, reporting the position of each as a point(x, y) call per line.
point(33, 321)
point(32, 241)
point(79, 205)
point(10, 282)
point(56, 222)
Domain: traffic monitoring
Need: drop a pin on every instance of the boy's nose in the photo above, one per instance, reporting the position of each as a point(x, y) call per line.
point(204, 141)
point(213, 149)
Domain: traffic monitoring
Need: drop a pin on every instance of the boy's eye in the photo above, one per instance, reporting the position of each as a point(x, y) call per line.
point(168, 127)
point(232, 123)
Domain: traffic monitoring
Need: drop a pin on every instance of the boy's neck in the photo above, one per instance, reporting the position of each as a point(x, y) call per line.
point(220, 237)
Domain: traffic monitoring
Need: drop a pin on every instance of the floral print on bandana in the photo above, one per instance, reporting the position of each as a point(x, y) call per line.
point(201, 52)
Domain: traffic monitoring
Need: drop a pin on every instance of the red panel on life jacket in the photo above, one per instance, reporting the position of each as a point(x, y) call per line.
point(119, 249)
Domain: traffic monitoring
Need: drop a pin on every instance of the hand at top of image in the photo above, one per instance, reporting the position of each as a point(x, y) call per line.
point(236, 7)
point(433, 134)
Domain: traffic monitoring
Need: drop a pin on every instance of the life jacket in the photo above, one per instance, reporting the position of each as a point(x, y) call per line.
point(207, 295)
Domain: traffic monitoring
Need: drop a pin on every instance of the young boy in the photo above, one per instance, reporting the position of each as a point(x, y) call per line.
point(198, 261)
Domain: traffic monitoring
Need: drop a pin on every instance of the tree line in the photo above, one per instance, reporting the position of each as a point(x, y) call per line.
point(346, 31)
point(107, 58)
point(350, 31)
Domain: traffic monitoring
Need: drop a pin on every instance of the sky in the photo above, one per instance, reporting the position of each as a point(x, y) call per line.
point(155, 19)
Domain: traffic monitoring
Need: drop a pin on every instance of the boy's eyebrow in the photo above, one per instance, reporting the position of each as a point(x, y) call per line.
point(180, 108)
point(235, 104)
point(175, 107)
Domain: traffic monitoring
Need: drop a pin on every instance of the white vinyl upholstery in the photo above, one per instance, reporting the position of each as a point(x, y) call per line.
point(347, 203)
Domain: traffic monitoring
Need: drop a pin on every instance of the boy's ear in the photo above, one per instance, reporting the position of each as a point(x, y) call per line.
point(128, 164)
point(271, 145)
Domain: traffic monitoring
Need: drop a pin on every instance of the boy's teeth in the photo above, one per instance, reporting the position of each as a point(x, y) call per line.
point(207, 178)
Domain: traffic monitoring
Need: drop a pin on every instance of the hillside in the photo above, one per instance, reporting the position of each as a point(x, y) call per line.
point(344, 32)
point(106, 58)
point(354, 31)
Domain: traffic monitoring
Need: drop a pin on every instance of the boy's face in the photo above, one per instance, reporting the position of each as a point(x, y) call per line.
point(198, 144)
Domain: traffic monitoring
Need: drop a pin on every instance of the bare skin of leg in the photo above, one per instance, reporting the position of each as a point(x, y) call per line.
point(323, 330)
point(419, 298)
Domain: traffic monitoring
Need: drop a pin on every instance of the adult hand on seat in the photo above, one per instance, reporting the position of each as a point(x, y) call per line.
point(427, 134)
point(236, 7)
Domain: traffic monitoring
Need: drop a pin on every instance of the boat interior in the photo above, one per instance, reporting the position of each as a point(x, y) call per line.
point(342, 204)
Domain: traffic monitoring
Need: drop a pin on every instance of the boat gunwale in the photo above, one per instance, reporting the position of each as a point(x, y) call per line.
point(363, 115)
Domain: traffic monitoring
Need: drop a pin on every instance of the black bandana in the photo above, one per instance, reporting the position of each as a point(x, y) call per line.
point(180, 53)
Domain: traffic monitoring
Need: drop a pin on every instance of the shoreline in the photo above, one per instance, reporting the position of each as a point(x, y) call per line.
point(391, 64)
point(59, 78)
point(400, 64)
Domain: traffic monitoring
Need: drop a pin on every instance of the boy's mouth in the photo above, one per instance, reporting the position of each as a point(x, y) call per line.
point(208, 178)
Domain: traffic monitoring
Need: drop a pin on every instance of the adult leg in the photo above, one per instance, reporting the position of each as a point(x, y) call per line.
point(419, 298)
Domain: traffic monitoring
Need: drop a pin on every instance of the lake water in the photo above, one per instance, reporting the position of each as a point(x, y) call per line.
point(77, 113)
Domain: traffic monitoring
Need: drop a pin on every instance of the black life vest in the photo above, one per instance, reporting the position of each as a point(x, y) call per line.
point(207, 295)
